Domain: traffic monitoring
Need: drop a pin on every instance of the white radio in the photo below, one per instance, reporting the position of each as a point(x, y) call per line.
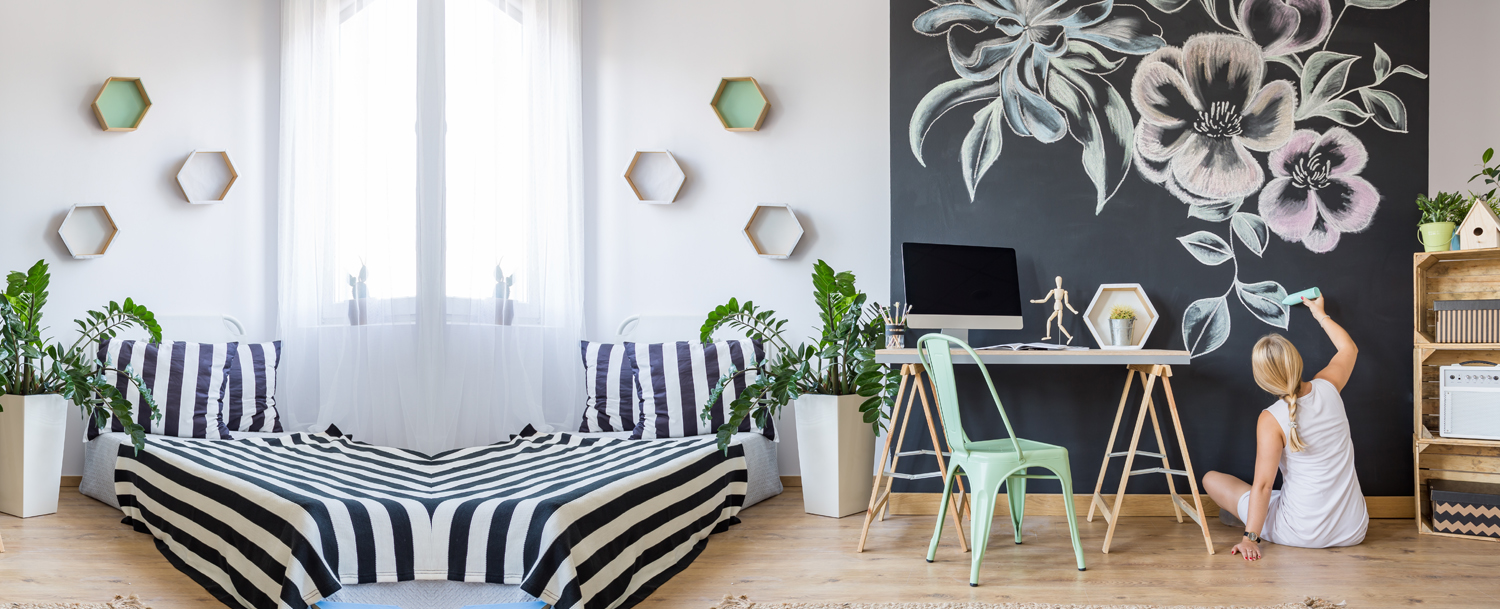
point(1469, 402)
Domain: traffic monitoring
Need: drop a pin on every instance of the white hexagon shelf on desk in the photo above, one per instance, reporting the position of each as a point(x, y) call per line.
point(655, 176)
point(87, 231)
point(773, 230)
point(1110, 295)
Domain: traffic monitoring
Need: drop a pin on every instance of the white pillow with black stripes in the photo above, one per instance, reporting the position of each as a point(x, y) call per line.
point(676, 380)
point(185, 379)
point(610, 389)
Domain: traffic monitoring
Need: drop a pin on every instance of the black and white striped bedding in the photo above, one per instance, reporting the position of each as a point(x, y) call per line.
point(577, 522)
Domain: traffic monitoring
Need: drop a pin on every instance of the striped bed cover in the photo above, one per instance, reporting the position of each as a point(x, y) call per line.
point(282, 522)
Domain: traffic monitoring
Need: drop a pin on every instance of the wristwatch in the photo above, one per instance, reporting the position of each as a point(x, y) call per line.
point(1255, 537)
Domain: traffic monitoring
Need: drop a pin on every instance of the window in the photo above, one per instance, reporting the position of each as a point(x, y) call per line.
point(432, 188)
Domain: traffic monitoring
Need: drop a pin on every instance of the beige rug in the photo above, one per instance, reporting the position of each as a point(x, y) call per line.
point(120, 602)
point(731, 602)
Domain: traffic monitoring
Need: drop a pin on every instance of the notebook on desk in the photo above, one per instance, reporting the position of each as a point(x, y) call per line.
point(1032, 347)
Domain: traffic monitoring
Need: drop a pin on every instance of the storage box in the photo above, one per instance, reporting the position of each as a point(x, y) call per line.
point(1468, 321)
point(1465, 508)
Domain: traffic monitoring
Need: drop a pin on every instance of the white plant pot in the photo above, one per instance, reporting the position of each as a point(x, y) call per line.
point(32, 431)
point(836, 453)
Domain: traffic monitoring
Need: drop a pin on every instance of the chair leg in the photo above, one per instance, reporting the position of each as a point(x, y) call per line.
point(1065, 476)
point(937, 533)
point(1015, 493)
point(983, 511)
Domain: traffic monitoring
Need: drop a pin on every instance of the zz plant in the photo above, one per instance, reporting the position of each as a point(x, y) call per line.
point(31, 364)
point(840, 362)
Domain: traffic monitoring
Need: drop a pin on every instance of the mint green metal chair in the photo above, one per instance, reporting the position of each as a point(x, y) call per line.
point(988, 463)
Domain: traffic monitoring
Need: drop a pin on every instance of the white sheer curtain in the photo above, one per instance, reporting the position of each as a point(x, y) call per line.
point(435, 146)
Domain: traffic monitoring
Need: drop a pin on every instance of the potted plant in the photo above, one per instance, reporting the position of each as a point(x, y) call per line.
point(836, 384)
point(1440, 214)
point(38, 377)
point(505, 308)
point(359, 312)
point(1121, 326)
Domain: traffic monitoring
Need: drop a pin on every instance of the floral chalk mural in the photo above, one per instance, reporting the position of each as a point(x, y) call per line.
point(1234, 123)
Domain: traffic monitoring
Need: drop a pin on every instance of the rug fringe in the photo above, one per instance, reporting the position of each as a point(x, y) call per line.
point(743, 602)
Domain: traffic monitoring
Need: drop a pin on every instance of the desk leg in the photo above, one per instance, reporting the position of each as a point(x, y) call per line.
point(875, 499)
point(1162, 446)
point(1187, 466)
point(1098, 500)
point(958, 497)
point(1135, 440)
point(884, 508)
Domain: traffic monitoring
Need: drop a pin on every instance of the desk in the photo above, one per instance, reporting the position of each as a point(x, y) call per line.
point(1150, 364)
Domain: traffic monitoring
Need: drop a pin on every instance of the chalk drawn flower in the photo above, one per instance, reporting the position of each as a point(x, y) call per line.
point(1203, 109)
point(1285, 27)
point(1316, 194)
point(1040, 60)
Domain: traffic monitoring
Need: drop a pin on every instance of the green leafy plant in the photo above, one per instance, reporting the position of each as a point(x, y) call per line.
point(31, 364)
point(503, 283)
point(357, 287)
point(1121, 312)
point(840, 362)
point(1442, 207)
point(1490, 174)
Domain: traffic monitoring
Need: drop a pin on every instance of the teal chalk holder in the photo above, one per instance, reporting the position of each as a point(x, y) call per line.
point(1309, 293)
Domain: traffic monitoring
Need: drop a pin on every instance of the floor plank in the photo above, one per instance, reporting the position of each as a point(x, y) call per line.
point(781, 554)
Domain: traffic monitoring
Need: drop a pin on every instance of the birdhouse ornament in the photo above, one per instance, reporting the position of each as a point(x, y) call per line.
point(1480, 229)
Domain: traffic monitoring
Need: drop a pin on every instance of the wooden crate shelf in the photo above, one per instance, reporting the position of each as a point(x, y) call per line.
point(1457, 275)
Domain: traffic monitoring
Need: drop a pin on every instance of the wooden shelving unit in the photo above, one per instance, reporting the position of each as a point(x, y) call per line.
point(1455, 275)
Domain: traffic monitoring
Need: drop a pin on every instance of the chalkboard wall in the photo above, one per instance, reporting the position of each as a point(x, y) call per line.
point(1220, 155)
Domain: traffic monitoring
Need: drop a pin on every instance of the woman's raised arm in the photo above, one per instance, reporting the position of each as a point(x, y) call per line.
point(1342, 365)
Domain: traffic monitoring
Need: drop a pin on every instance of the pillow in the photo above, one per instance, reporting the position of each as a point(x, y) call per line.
point(676, 379)
point(610, 388)
point(185, 379)
point(250, 388)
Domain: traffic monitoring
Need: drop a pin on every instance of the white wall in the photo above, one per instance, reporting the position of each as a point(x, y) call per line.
point(650, 68)
point(1465, 90)
point(210, 67)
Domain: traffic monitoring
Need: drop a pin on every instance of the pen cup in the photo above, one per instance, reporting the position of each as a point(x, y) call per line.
point(895, 336)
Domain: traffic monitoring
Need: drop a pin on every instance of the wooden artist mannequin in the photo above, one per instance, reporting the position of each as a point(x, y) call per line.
point(1059, 298)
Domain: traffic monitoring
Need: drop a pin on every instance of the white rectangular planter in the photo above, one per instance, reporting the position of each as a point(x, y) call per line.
point(32, 431)
point(836, 453)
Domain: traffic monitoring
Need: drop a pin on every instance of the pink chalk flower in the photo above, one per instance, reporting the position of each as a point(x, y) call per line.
point(1285, 27)
point(1316, 194)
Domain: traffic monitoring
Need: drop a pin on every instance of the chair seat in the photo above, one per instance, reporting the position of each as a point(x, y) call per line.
point(1034, 450)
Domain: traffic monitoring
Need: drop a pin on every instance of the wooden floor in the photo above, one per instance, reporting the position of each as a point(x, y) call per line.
point(780, 554)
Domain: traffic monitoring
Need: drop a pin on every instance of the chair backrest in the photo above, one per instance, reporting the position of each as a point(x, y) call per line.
point(937, 355)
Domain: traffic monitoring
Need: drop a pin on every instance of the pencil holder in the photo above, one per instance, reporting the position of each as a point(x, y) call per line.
point(895, 336)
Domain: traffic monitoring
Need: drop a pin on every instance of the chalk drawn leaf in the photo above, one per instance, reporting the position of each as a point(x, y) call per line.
point(1263, 299)
point(939, 101)
point(1208, 248)
point(1375, 4)
point(1343, 112)
point(1252, 231)
point(1382, 64)
point(1099, 119)
point(1205, 325)
point(1168, 6)
point(1385, 109)
point(982, 146)
point(1323, 79)
point(1215, 212)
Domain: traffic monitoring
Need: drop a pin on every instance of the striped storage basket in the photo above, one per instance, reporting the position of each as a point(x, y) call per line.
point(1468, 321)
point(1466, 508)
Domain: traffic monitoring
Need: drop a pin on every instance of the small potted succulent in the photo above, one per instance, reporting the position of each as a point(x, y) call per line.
point(359, 313)
point(505, 308)
point(1121, 326)
point(1440, 215)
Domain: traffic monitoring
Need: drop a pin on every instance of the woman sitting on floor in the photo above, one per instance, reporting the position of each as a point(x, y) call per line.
point(1306, 433)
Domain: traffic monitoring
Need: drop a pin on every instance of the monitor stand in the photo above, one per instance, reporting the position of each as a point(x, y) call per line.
point(960, 334)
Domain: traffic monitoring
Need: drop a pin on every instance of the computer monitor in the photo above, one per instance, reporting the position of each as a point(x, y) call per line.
point(957, 288)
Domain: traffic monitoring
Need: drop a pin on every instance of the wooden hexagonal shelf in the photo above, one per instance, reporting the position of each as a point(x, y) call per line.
point(206, 176)
point(1107, 297)
point(773, 230)
point(87, 231)
point(121, 104)
point(655, 176)
point(740, 104)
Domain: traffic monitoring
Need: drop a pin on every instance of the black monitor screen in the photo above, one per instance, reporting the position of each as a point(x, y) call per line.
point(960, 279)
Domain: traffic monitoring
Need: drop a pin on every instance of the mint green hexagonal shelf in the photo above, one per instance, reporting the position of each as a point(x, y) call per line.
point(121, 104)
point(740, 104)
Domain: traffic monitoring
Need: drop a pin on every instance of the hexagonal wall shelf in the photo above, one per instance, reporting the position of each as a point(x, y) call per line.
point(1110, 295)
point(740, 104)
point(121, 104)
point(773, 230)
point(205, 177)
point(655, 176)
point(87, 231)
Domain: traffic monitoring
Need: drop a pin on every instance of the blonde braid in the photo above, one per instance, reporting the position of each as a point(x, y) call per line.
point(1278, 369)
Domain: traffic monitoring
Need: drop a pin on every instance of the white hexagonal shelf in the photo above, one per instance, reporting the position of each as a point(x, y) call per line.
point(773, 230)
point(206, 176)
point(87, 231)
point(655, 176)
point(1110, 295)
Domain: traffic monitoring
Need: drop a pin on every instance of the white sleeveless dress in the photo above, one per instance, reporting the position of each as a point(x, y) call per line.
point(1320, 504)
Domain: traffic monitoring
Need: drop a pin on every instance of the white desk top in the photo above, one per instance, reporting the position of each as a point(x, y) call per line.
point(1078, 357)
